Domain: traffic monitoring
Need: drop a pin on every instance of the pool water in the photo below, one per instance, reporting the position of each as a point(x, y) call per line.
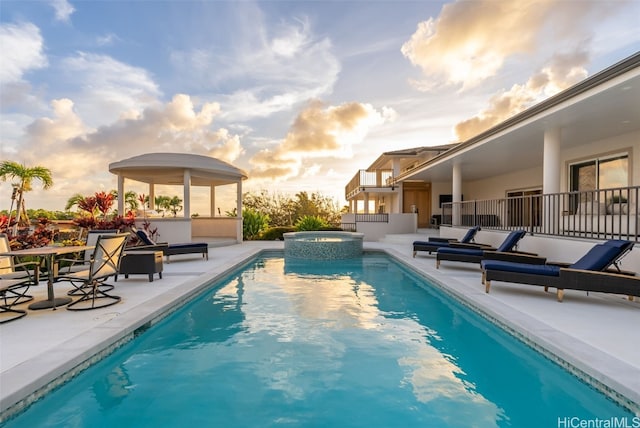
point(352, 343)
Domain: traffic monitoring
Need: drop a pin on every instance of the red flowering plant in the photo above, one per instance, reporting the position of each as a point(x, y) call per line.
point(42, 236)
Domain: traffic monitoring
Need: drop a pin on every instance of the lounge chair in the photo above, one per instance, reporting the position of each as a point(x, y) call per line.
point(591, 273)
point(90, 283)
point(434, 243)
point(469, 254)
point(169, 249)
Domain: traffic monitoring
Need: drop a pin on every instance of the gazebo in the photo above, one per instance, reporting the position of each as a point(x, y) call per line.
point(186, 170)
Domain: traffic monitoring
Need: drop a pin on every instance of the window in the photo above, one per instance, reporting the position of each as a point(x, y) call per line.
point(601, 173)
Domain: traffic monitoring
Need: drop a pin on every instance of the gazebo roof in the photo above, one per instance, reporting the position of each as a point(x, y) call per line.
point(168, 168)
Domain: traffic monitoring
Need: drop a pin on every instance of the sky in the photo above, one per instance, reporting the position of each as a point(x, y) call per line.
point(298, 94)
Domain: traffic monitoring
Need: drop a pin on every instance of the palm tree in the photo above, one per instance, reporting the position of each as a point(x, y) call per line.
point(25, 176)
point(162, 203)
point(175, 205)
point(131, 199)
point(73, 201)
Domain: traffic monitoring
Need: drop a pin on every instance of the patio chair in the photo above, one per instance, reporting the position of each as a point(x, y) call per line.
point(28, 273)
point(12, 293)
point(591, 272)
point(169, 249)
point(90, 283)
point(77, 265)
point(470, 254)
point(434, 243)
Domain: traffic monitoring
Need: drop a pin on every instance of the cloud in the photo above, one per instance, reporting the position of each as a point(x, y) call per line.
point(269, 70)
point(177, 126)
point(63, 10)
point(471, 40)
point(107, 39)
point(562, 72)
point(22, 51)
point(318, 132)
point(107, 88)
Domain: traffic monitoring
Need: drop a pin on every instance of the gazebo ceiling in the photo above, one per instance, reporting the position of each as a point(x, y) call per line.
point(168, 168)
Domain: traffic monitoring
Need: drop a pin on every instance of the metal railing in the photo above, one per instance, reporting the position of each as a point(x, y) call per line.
point(598, 214)
point(348, 227)
point(372, 218)
point(364, 179)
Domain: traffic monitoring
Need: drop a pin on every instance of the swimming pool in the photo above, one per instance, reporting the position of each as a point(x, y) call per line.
point(359, 342)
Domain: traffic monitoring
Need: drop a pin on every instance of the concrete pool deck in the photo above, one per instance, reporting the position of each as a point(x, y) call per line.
point(596, 335)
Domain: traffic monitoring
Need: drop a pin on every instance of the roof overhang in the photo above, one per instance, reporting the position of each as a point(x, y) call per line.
point(602, 106)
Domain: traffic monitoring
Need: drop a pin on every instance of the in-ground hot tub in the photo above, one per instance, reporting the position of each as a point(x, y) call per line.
point(323, 245)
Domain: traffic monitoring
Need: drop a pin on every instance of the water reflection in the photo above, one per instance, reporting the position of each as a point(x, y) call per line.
point(112, 389)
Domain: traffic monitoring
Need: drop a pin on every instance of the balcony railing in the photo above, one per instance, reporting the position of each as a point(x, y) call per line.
point(597, 214)
point(363, 179)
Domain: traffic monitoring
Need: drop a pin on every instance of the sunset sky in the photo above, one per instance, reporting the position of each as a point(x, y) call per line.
point(300, 95)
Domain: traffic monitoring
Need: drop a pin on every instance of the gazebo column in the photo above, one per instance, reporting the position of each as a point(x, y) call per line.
point(212, 198)
point(152, 197)
point(187, 194)
point(120, 194)
point(239, 211)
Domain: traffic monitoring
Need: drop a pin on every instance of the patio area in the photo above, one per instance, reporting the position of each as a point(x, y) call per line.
point(594, 334)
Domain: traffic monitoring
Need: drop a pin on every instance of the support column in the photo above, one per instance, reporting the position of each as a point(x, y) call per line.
point(121, 195)
point(152, 197)
point(187, 194)
point(239, 210)
point(551, 162)
point(212, 199)
point(366, 203)
point(456, 194)
point(551, 167)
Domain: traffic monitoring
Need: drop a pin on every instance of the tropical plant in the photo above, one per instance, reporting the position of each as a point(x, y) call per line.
point(162, 203)
point(311, 223)
point(25, 176)
point(131, 200)
point(276, 233)
point(253, 223)
point(175, 205)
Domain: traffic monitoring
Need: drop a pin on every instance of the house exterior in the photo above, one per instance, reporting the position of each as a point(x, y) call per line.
point(560, 167)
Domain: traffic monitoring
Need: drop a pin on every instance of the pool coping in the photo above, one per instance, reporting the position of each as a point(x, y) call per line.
point(27, 382)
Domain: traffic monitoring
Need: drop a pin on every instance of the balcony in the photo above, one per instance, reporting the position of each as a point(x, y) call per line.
point(363, 180)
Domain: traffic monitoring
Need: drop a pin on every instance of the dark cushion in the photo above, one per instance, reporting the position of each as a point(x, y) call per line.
point(468, 237)
point(547, 270)
point(144, 237)
point(189, 245)
point(598, 258)
point(431, 244)
point(460, 251)
point(512, 240)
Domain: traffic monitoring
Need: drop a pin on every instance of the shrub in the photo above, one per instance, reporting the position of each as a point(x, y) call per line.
point(253, 223)
point(275, 233)
point(309, 222)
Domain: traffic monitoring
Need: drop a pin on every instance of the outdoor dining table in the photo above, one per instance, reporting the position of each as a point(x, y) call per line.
point(49, 254)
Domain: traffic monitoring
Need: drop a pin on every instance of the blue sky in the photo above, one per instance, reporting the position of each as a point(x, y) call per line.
point(300, 94)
